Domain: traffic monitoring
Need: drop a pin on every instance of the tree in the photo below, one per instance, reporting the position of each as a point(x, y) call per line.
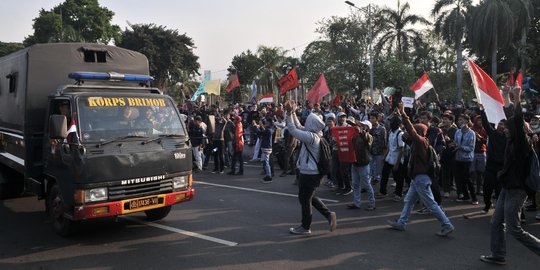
point(74, 21)
point(9, 47)
point(169, 53)
point(450, 23)
point(247, 66)
point(492, 28)
point(272, 59)
point(395, 34)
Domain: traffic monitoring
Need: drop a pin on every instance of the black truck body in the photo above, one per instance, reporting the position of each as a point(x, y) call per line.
point(126, 149)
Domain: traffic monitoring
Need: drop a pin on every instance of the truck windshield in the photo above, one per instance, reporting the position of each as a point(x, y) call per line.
point(108, 118)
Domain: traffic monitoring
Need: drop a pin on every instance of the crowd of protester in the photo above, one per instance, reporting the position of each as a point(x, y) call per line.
point(473, 155)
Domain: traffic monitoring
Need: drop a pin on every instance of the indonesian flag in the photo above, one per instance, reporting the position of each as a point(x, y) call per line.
point(318, 91)
point(487, 93)
point(72, 136)
point(268, 98)
point(288, 82)
point(233, 83)
point(421, 86)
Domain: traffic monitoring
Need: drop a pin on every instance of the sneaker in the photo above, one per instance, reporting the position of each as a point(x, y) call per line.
point(397, 198)
point(475, 203)
point(370, 208)
point(485, 210)
point(353, 206)
point(424, 211)
point(347, 192)
point(446, 195)
point(266, 180)
point(537, 217)
point(493, 260)
point(283, 174)
point(462, 199)
point(240, 173)
point(222, 172)
point(395, 226)
point(300, 231)
point(380, 195)
point(214, 171)
point(393, 184)
point(445, 231)
point(231, 173)
point(332, 221)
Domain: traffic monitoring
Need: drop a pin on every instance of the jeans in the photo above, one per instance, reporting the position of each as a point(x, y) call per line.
point(307, 184)
point(219, 164)
point(197, 156)
point(376, 166)
point(256, 150)
point(265, 158)
point(229, 152)
point(397, 175)
point(237, 157)
point(463, 179)
point(360, 178)
point(420, 190)
point(507, 212)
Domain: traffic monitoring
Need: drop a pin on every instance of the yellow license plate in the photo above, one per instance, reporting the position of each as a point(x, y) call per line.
point(141, 204)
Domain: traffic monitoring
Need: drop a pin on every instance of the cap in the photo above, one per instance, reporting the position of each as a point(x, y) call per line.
point(340, 114)
point(351, 121)
point(366, 123)
point(330, 116)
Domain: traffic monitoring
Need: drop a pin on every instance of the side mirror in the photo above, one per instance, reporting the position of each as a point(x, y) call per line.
point(57, 126)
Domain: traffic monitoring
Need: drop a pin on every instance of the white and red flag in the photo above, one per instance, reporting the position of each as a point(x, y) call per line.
point(72, 136)
point(268, 98)
point(421, 86)
point(318, 91)
point(487, 93)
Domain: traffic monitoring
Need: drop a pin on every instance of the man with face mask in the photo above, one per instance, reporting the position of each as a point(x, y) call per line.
point(512, 176)
point(464, 141)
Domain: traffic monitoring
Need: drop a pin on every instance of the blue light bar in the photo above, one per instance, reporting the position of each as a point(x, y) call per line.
point(111, 76)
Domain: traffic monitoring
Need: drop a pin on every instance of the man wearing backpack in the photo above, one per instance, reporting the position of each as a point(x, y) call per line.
point(512, 177)
point(308, 164)
point(419, 170)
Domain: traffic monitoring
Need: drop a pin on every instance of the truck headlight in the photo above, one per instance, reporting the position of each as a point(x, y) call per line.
point(95, 195)
point(180, 182)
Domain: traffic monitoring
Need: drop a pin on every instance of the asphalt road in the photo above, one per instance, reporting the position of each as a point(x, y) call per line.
point(239, 223)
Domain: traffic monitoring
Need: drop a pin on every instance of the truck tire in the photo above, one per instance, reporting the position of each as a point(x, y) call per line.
point(158, 213)
point(56, 209)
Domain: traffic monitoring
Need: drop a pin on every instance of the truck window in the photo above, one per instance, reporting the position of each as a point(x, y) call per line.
point(95, 56)
point(12, 78)
point(106, 118)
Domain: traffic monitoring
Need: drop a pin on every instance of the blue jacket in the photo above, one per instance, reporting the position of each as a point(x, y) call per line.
point(466, 141)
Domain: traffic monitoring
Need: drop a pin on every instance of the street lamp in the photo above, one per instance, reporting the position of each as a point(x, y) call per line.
point(370, 52)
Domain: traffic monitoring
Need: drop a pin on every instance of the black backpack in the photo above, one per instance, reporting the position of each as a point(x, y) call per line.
point(434, 163)
point(325, 156)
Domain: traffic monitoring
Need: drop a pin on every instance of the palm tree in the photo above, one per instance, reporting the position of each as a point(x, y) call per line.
point(523, 10)
point(272, 59)
point(396, 34)
point(492, 28)
point(450, 26)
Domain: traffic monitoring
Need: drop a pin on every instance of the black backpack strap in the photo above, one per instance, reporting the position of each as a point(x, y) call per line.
point(309, 152)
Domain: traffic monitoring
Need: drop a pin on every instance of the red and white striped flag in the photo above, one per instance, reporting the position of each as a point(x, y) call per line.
point(421, 86)
point(487, 93)
point(72, 136)
point(268, 98)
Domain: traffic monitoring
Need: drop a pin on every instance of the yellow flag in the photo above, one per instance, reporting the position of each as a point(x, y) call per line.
point(213, 87)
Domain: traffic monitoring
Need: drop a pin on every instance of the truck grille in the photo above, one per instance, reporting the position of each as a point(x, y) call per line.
point(139, 190)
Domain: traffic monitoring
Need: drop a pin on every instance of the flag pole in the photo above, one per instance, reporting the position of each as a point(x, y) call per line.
point(436, 95)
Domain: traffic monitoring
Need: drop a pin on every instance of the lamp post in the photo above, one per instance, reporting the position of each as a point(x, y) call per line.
point(370, 50)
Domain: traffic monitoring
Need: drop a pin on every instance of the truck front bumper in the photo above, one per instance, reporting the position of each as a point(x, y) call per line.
point(133, 205)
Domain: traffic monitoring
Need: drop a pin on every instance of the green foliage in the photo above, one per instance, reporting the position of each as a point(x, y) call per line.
point(74, 21)
point(9, 47)
point(390, 71)
point(170, 54)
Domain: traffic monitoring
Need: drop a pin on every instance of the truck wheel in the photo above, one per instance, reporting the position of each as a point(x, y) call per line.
point(56, 209)
point(158, 213)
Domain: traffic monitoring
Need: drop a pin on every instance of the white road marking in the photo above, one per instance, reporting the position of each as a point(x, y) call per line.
point(257, 190)
point(180, 231)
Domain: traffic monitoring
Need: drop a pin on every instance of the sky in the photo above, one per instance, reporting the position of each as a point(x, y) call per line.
point(220, 29)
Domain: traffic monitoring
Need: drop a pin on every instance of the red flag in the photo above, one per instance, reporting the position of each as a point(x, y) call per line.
point(510, 81)
point(421, 86)
point(519, 80)
point(487, 93)
point(318, 91)
point(233, 83)
point(288, 82)
point(336, 101)
point(268, 98)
